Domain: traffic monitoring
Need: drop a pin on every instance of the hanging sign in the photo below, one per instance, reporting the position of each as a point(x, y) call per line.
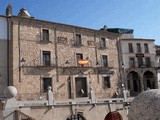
point(83, 62)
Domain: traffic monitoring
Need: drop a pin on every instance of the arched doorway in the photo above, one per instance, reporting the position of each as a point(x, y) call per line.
point(149, 80)
point(75, 117)
point(133, 83)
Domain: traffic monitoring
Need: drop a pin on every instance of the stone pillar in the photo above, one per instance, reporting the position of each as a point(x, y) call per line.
point(141, 83)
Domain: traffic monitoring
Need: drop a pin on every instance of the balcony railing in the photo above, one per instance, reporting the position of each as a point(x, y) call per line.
point(102, 45)
point(38, 63)
point(137, 65)
point(77, 43)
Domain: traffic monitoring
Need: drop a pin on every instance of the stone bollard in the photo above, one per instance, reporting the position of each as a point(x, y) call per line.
point(146, 106)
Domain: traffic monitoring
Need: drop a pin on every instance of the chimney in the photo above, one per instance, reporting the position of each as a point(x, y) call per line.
point(9, 10)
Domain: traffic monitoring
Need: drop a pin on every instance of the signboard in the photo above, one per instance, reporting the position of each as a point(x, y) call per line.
point(139, 55)
point(83, 62)
point(105, 72)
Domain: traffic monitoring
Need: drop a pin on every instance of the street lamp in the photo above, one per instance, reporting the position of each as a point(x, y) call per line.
point(123, 84)
point(22, 61)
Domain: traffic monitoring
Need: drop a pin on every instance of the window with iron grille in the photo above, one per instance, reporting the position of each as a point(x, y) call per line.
point(140, 61)
point(79, 56)
point(131, 62)
point(46, 83)
point(146, 49)
point(138, 48)
point(45, 35)
point(46, 58)
point(106, 82)
point(78, 40)
point(130, 46)
point(103, 43)
point(104, 60)
point(148, 61)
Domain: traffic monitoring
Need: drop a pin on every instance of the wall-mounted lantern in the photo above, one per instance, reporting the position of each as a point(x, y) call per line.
point(22, 61)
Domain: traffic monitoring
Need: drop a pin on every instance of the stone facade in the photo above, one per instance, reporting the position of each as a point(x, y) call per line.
point(28, 44)
point(80, 64)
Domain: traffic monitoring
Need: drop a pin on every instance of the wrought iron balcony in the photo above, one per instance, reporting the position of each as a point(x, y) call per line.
point(37, 63)
point(101, 45)
point(137, 65)
point(77, 43)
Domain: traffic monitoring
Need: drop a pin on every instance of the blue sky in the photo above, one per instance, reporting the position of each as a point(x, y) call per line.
point(141, 15)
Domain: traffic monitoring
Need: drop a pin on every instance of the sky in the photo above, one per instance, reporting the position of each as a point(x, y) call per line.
point(141, 15)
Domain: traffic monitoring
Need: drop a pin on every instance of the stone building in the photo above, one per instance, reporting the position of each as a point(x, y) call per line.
point(62, 72)
point(157, 47)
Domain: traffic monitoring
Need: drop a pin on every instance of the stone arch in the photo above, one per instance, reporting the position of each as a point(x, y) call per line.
point(149, 81)
point(75, 117)
point(133, 83)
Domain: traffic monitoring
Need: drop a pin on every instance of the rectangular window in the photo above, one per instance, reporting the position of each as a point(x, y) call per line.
point(46, 58)
point(78, 40)
point(103, 42)
point(138, 48)
point(146, 48)
point(46, 83)
point(106, 82)
point(81, 87)
point(45, 35)
point(130, 46)
point(131, 62)
point(148, 61)
point(79, 56)
point(140, 61)
point(104, 61)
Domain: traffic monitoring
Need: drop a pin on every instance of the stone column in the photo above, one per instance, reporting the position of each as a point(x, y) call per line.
point(141, 83)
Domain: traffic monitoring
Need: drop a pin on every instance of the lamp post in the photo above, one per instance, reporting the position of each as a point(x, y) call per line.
point(123, 85)
point(22, 61)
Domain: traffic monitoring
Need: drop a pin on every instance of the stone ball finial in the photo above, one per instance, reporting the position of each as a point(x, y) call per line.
point(146, 106)
point(10, 92)
point(49, 88)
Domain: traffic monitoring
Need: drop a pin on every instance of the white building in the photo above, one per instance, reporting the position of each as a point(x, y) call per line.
point(138, 64)
point(4, 54)
point(158, 63)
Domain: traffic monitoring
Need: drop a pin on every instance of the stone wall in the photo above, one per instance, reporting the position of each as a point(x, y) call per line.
point(88, 112)
point(27, 44)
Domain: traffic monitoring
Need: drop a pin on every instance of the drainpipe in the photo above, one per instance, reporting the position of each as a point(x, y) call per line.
point(121, 64)
point(96, 58)
point(19, 50)
point(56, 53)
point(8, 63)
